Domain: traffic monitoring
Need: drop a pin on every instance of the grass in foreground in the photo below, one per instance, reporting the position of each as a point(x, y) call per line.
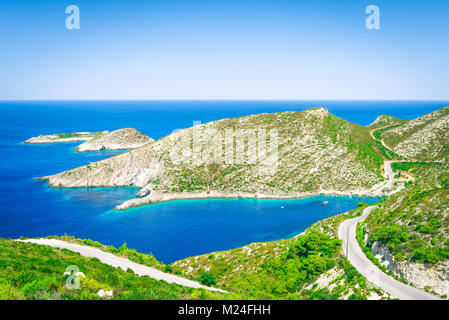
point(309, 266)
point(30, 271)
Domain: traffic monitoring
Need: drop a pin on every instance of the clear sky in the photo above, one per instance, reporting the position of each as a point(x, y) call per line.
point(243, 49)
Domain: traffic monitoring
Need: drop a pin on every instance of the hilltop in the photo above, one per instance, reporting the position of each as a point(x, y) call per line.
point(425, 138)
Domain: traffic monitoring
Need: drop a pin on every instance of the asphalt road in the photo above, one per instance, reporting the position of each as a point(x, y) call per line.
point(347, 232)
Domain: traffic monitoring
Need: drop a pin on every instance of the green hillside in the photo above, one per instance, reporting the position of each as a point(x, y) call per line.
point(316, 151)
point(29, 271)
point(414, 223)
point(287, 269)
point(425, 138)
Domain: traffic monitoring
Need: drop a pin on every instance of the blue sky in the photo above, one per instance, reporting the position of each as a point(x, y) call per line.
point(245, 49)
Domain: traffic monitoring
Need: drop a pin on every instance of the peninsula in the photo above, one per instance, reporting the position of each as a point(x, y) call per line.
point(318, 153)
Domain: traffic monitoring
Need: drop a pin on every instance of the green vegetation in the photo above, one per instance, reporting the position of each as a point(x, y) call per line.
point(379, 133)
point(406, 166)
point(413, 223)
point(29, 271)
point(331, 134)
point(207, 279)
point(75, 135)
point(123, 251)
point(386, 121)
point(281, 277)
point(387, 153)
point(424, 138)
point(360, 234)
point(285, 269)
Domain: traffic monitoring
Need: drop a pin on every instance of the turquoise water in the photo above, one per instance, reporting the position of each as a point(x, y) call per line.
point(171, 230)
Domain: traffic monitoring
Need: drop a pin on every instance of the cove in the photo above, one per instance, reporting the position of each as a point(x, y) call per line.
point(178, 229)
point(172, 230)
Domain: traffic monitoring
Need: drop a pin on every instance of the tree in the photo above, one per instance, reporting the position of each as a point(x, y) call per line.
point(208, 279)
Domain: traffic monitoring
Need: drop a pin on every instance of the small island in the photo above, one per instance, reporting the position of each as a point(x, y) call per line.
point(65, 137)
point(121, 139)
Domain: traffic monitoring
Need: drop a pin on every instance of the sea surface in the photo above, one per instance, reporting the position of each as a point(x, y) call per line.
point(172, 230)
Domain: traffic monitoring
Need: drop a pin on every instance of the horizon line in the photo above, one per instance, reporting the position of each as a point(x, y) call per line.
point(219, 100)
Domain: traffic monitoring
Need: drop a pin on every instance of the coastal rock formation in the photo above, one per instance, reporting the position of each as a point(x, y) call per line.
point(434, 277)
point(286, 154)
point(127, 138)
point(65, 137)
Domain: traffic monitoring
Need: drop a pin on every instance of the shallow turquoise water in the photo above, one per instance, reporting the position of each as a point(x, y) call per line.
point(172, 230)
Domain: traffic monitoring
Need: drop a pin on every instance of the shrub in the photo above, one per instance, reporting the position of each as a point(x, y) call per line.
point(207, 279)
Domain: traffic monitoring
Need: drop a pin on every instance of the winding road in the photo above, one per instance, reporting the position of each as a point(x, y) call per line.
point(347, 232)
point(119, 262)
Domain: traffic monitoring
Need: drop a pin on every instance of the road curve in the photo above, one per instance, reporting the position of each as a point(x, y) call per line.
point(119, 262)
point(347, 232)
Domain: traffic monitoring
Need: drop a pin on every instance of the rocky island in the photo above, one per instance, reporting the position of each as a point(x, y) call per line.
point(65, 137)
point(126, 138)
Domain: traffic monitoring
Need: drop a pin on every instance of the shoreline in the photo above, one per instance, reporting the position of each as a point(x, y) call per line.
point(157, 197)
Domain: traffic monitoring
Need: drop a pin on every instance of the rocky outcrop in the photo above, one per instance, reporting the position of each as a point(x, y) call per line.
point(434, 277)
point(127, 138)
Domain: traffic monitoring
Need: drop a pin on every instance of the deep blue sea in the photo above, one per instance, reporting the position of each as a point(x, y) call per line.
point(172, 230)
